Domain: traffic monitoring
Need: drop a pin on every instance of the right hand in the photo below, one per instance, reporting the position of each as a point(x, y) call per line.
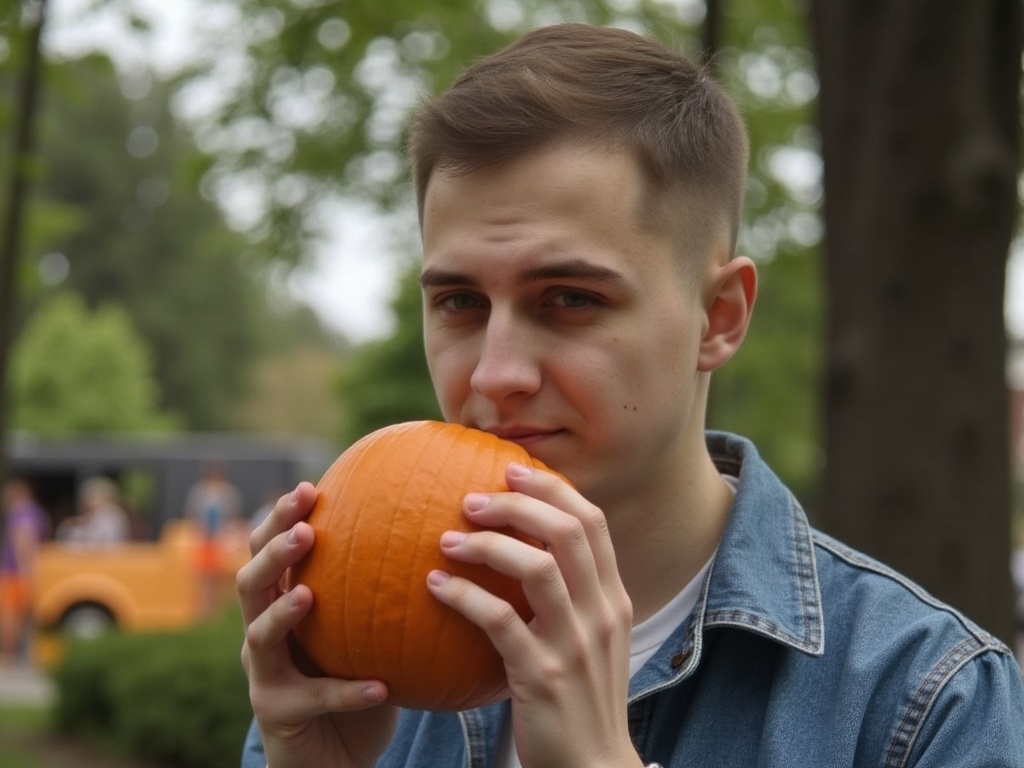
point(306, 722)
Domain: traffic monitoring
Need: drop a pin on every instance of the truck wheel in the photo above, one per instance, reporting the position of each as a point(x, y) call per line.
point(87, 622)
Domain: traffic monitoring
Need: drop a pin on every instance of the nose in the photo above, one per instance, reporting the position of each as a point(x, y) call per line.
point(508, 365)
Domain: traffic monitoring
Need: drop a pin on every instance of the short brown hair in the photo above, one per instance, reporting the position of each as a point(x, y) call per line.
point(604, 85)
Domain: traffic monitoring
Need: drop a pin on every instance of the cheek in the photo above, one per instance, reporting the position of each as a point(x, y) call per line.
point(610, 389)
point(656, 369)
point(450, 377)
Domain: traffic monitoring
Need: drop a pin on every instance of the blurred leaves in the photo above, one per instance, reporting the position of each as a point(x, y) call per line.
point(387, 381)
point(76, 371)
point(315, 96)
point(175, 698)
point(120, 218)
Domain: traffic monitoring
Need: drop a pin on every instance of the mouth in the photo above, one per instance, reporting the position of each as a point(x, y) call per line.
point(524, 436)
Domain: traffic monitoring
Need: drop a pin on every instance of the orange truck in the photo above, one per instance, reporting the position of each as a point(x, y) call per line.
point(135, 586)
point(149, 583)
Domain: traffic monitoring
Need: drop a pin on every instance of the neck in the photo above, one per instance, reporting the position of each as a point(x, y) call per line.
point(664, 537)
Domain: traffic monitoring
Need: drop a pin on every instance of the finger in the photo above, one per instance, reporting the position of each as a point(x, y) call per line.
point(496, 617)
point(547, 487)
point(257, 582)
point(562, 532)
point(267, 659)
point(305, 698)
point(537, 569)
point(289, 509)
point(265, 650)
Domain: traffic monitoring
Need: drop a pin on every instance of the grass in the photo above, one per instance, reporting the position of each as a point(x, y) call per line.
point(22, 729)
point(27, 741)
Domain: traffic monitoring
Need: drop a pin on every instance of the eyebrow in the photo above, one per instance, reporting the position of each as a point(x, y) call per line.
point(574, 269)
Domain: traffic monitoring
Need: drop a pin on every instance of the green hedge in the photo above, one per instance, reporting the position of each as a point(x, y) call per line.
point(178, 699)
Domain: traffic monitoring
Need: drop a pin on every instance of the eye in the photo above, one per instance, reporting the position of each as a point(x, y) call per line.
point(573, 299)
point(459, 301)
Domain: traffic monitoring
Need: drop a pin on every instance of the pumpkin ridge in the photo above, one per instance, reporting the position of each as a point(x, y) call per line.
point(466, 681)
point(395, 495)
point(351, 588)
point(317, 565)
point(362, 594)
point(446, 614)
point(417, 557)
point(331, 560)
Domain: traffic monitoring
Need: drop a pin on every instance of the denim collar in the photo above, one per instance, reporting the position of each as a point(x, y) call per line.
point(763, 580)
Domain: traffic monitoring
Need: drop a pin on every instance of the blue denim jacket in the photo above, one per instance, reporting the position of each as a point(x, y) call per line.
point(801, 653)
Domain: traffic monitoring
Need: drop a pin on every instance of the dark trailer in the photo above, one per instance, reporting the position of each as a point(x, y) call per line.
point(155, 473)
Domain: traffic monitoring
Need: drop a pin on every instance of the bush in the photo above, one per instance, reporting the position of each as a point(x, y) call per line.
point(173, 698)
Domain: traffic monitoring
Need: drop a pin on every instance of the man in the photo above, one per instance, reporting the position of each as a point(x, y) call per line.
point(580, 196)
point(24, 529)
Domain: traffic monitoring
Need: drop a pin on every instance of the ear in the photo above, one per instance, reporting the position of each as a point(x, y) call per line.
point(729, 295)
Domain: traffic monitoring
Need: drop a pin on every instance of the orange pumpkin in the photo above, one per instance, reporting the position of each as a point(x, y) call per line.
point(381, 510)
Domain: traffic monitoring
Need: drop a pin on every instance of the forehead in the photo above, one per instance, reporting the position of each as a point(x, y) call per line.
point(565, 202)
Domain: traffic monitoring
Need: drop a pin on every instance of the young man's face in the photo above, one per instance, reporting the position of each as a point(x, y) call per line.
point(554, 318)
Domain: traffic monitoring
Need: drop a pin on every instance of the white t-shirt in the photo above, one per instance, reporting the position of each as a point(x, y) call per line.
point(647, 637)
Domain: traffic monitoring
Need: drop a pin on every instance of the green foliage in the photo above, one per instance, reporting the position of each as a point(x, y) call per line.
point(118, 216)
point(174, 698)
point(330, 87)
point(387, 381)
point(152, 243)
point(82, 372)
point(770, 390)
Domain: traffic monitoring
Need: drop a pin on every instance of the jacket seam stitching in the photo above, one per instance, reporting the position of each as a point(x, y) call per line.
point(863, 562)
point(807, 579)
point(473, 736)
point(921, 705)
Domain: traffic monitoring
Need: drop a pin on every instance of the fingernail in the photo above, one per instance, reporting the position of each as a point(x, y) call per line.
point(518, 470)
point(452, 538)
point(293, 536)
point(372, 693)
point(293, 496)
point(293, 599)
point(474, 502)
point(437, 578)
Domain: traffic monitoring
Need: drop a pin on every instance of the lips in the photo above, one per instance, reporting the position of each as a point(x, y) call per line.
point(522, 435)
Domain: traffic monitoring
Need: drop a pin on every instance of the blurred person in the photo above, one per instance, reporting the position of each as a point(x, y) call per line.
point(101, 520)
point(25, 527)
point(214, 505)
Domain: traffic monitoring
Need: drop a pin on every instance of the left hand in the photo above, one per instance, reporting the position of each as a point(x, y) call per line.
point(568, 668)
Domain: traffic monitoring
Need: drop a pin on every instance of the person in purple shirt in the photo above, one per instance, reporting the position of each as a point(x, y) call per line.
point(24, 530)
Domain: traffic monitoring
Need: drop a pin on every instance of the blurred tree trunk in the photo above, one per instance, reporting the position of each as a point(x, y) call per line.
point(711, 33)
point(34, 13)
point(920, 129)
